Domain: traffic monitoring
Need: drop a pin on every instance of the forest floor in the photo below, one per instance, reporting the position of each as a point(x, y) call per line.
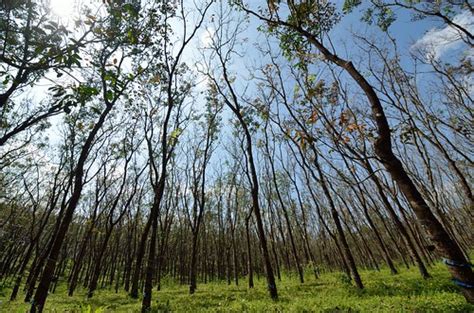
point(405, 292)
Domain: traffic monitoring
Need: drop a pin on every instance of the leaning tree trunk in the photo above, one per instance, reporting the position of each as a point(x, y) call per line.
point(335, 215)
point(459, 266)
point(272, 288)
point(48, 272)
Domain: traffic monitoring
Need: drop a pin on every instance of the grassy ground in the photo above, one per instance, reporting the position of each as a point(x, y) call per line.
point(405, 292)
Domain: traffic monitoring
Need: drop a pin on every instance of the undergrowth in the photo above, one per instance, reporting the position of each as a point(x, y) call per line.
point(405, 292)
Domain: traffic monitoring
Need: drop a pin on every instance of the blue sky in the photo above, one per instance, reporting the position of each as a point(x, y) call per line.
point(406, 31)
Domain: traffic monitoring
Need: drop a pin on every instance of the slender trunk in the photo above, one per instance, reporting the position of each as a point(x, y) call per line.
point(148, 288)
point(249, 252)
point(400, 227)
point(21, 271)
point(98, 265)
point(138, 263)
point(335, 215)
point(386, 255)
point(48, 272)
point(272, 288)
point(150, 270)
point(192, 284)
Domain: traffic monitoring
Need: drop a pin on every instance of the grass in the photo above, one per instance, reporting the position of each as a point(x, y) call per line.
point(405, 292)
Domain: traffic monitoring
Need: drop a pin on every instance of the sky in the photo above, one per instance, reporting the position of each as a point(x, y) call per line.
point(429, 35)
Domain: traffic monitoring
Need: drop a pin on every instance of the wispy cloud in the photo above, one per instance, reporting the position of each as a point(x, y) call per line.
point(438, 41)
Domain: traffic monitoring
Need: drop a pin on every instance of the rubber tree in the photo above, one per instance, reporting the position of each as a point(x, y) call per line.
point(307, 20)
point(222, 48)
point(113, 82)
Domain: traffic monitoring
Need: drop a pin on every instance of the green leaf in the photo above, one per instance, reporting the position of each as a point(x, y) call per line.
point(349, 5)
point(109, 95)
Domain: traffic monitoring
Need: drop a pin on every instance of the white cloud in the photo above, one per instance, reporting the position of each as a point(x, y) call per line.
point(438, 41)
point(207, 36)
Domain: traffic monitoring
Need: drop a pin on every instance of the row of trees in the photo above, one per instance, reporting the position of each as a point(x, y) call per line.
point(160, 168)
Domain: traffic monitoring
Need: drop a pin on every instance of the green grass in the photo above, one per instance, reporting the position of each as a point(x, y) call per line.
point(405, 292)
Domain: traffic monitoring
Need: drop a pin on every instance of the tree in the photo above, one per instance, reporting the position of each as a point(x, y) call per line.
point(222, 49)
point(309, 20)
point(114, 82)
